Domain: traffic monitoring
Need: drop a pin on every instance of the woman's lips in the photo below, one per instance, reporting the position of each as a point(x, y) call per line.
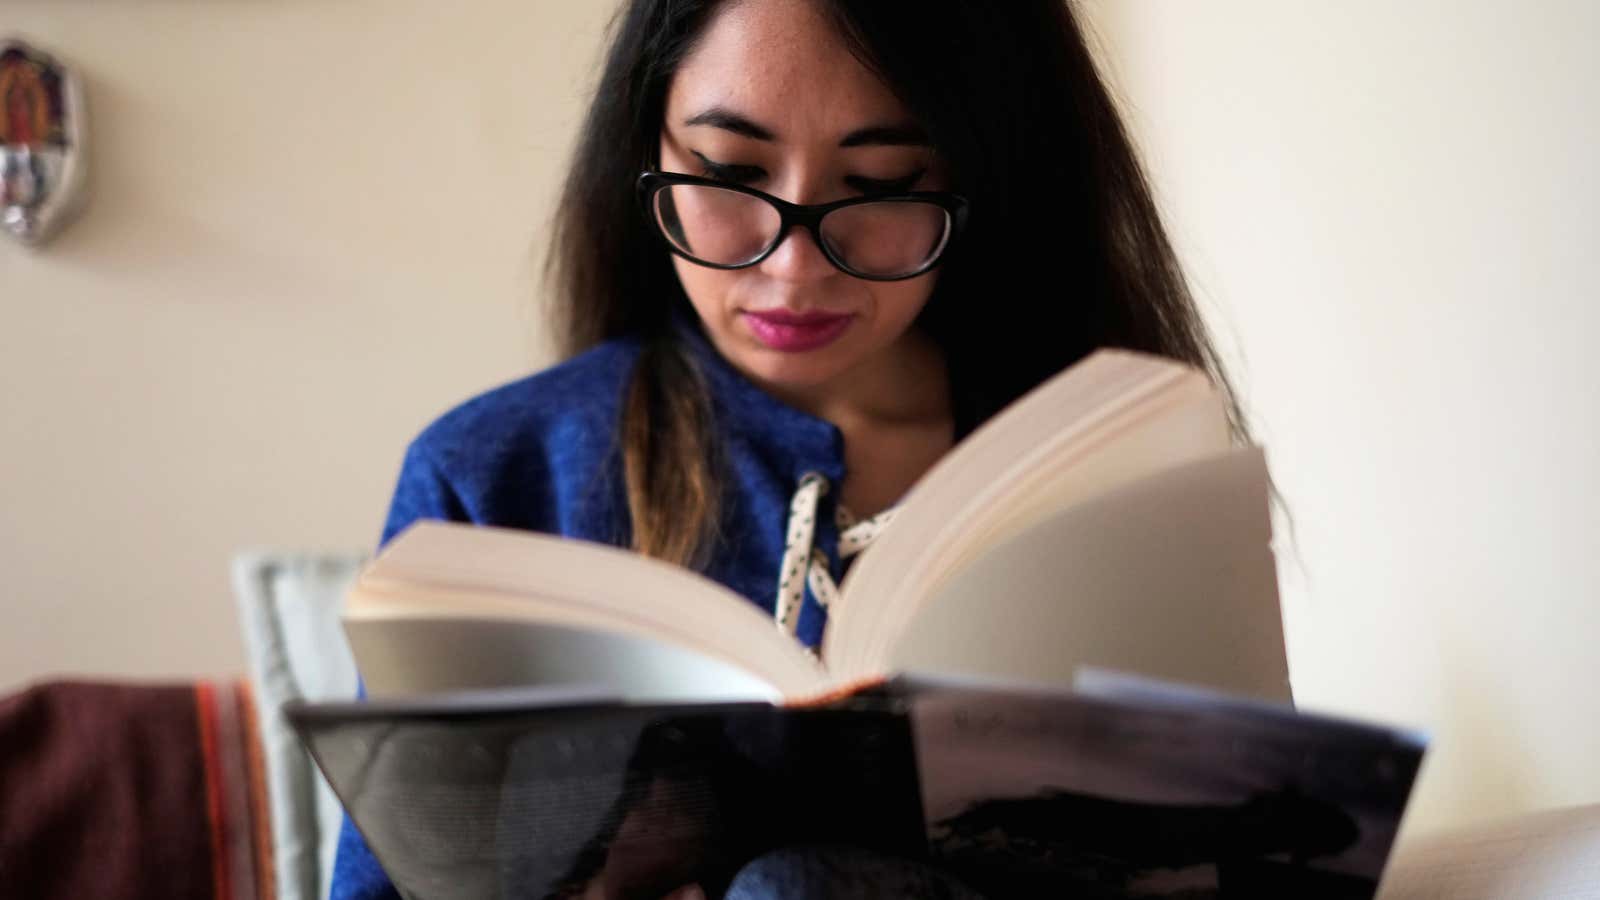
point(792, 332)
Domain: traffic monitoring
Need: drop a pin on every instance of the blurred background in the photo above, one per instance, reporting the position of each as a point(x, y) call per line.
point(316, 224)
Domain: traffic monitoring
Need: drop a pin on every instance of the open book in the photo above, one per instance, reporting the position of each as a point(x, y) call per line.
point(1105, 519)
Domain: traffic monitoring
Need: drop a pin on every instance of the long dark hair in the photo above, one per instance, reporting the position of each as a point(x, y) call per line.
point(1064, 250)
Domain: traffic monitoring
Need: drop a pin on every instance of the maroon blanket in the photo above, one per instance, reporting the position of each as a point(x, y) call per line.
point(125, 791)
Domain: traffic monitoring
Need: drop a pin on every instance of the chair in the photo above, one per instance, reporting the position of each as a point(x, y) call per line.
point(289, 609)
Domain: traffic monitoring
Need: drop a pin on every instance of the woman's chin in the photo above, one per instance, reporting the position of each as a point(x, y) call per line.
point(792, 371)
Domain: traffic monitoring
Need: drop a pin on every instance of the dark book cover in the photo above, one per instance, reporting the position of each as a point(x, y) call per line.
point(918, 788)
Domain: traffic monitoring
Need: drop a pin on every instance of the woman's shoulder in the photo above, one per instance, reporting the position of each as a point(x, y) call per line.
point(575, 400)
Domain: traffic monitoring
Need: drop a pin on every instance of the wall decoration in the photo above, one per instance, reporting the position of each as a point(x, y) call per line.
point(42, 164)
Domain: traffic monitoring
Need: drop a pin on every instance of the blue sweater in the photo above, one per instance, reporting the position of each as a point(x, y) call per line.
point(542, 454)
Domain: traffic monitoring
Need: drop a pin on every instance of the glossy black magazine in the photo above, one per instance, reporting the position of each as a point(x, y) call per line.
point(1122, 789)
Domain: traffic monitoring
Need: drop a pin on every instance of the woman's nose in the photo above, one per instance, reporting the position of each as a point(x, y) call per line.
point(798, 259)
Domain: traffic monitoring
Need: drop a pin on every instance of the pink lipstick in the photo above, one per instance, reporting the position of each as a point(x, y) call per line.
point(792, 332)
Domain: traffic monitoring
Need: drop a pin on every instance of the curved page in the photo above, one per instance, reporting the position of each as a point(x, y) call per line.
point(1112, 419)
point(403, 656)
point(1172, 577)
point(593, 614)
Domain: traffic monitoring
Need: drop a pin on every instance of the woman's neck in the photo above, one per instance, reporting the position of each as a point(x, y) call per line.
point(895, 416)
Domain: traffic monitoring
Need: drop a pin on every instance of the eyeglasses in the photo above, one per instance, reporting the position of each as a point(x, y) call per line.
point(882, 237)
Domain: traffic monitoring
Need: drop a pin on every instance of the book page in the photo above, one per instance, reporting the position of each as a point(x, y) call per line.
point(1172, 577)
point(633, 620)
point(404, 656)
point(1112, 419)
point(1547, 855)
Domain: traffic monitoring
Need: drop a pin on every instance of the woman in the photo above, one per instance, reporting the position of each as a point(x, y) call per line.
point(805, 246)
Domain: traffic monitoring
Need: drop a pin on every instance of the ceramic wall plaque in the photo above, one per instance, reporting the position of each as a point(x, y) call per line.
point(42, 164)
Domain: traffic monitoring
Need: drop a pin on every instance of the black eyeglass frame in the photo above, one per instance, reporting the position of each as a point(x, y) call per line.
point(809, 217)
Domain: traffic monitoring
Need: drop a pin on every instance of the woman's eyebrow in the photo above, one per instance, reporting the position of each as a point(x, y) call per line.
point(728, 120)
point(871, 136)
point(886, 136)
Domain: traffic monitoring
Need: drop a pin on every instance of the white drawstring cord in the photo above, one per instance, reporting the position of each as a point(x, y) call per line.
point(804, 563)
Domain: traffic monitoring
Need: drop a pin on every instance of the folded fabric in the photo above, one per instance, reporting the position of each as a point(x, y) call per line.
point(129, 792)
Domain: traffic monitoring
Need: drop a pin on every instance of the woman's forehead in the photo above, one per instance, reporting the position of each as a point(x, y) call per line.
point(783, 65)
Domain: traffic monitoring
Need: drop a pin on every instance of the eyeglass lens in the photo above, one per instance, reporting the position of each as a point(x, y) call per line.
point(883, 238)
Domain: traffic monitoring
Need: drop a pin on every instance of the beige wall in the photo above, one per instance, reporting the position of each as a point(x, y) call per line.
point(1390, 210)
point(312, 229)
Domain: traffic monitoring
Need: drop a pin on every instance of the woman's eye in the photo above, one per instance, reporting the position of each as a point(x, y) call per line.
point(735, 174)
point(884, 186)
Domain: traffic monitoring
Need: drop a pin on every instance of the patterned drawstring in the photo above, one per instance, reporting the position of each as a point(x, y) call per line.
point(805, 564)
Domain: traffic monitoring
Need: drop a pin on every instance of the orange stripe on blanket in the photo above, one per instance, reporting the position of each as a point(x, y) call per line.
point(206, 714)
point(236, 795)
point(260, 807)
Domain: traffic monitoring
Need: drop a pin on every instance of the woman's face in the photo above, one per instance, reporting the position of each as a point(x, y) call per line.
point(772, 98)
